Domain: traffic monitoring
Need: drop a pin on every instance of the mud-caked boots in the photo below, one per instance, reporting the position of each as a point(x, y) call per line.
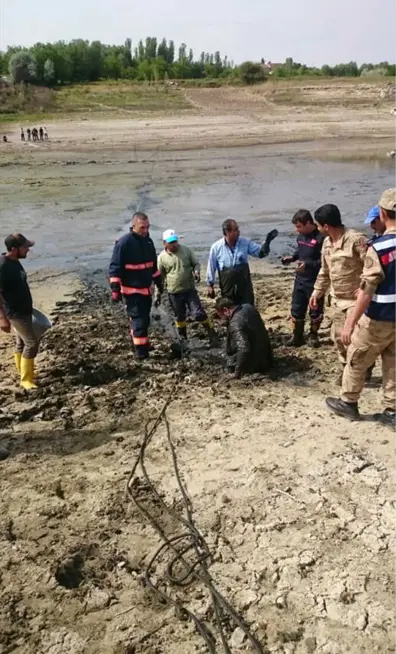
point(298, 334)
point(182, 332)
point(313, 338)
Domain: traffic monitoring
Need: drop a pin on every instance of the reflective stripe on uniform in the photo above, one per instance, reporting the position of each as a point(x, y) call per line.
point(384, 299)
point(115, 280)
point(384, 245)
point(130, 290)
point(156, 274)
point(140, 340)
point(180, 325)
point(139, 266)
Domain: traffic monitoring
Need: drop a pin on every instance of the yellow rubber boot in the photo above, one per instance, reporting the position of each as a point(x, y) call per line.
point(27, 374)
point(17, 359)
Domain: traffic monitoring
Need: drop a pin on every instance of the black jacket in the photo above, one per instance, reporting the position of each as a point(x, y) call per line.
point(309, 248)
point(133, 266)
point(248, 342)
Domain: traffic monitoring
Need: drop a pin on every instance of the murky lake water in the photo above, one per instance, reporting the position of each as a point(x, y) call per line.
point(260, 189)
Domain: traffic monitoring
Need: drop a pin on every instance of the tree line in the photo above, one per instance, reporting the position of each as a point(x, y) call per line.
point(83, 61)
point(53, 64)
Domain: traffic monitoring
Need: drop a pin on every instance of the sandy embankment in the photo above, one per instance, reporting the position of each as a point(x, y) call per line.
point(296, 505)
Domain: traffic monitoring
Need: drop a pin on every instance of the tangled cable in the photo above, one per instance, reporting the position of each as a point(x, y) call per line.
point(189, 541)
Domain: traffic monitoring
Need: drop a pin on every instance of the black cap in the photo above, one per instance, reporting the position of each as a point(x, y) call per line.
point(17, 241)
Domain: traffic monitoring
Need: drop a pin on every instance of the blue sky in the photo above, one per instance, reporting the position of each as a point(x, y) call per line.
point(311, 31)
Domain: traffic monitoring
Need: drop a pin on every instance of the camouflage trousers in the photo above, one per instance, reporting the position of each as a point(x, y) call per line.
point(338, 317)
point(370, 339)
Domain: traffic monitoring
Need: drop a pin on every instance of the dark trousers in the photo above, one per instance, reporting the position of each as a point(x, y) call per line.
point(138, 309)
point(302, 291)
point(180, 302)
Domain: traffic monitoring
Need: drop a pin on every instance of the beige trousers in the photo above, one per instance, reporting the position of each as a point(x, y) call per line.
point(338, 317)
point(370, 339)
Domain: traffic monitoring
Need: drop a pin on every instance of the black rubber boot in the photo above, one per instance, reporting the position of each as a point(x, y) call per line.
point(369, 373)
point(386, 418)
point(298, 334)
point(344, 409)
point(313, 339)
point(182, 331)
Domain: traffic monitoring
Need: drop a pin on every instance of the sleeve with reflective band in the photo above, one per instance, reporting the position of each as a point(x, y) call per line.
point(133, 265)
point(115, 269)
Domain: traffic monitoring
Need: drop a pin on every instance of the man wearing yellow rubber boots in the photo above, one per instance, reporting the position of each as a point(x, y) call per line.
point(16, 306)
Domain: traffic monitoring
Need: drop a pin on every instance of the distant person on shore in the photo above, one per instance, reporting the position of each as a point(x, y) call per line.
point(248, 345)
point(5, 140)
point(22, 134)
point(41, 132)
point(45, 134)
point(307, 255)
point(179, 268)
point(343, 254)
point(35, 134)
point(29, 133)
point(16, 307)
point(229, 258)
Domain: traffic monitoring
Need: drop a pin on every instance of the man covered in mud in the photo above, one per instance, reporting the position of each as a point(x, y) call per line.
point(133, 270)
point(229, 257)
point(248, 344)
point(343, 254)
point(307, 255)
point(16, 307)
point(369, 330)
point(179, 268)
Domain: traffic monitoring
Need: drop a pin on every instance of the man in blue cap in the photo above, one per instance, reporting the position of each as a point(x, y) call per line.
point(180, 270)
point(373, 219)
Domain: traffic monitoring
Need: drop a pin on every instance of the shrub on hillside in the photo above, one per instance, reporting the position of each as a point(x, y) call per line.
point(251, 73)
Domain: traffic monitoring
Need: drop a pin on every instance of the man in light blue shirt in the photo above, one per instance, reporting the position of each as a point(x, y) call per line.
point(228, 258)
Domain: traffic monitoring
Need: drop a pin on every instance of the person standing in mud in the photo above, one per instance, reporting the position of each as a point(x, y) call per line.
point(22, 134)
point(369, 330)
point(343, 254)
point(29, 133)
point(16, 307)
point(307, 255)
point(41, 132)
point(179, 267)
point(133, 270)
point(228, 258)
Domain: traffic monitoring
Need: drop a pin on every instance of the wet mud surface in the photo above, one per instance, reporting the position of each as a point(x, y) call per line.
point(296, 505)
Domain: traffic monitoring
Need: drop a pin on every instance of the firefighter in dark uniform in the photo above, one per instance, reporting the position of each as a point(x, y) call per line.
point(133, 269)
point(307, 255)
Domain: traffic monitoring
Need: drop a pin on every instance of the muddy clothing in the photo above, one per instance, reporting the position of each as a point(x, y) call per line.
point(341, 268)
point(231, 264)
point(300, 302)
point(133, 269)
point(14, 289)
point(188, 300)
point(375, 333)
point(248, 345)
point(178, 268)
point(26, 342)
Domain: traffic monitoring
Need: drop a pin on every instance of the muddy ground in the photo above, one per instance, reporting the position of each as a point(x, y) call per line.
point(296, 505)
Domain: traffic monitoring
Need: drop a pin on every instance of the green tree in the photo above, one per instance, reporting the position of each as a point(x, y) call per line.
point(23, 67)
point(251, 73)
point(49, 72)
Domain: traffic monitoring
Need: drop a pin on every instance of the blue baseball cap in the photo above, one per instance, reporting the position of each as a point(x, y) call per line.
point(372, 215)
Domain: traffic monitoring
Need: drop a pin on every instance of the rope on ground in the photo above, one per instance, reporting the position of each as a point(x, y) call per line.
point(189, 541)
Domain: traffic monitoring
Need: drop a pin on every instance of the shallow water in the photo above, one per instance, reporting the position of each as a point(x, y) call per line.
point(191, 192)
